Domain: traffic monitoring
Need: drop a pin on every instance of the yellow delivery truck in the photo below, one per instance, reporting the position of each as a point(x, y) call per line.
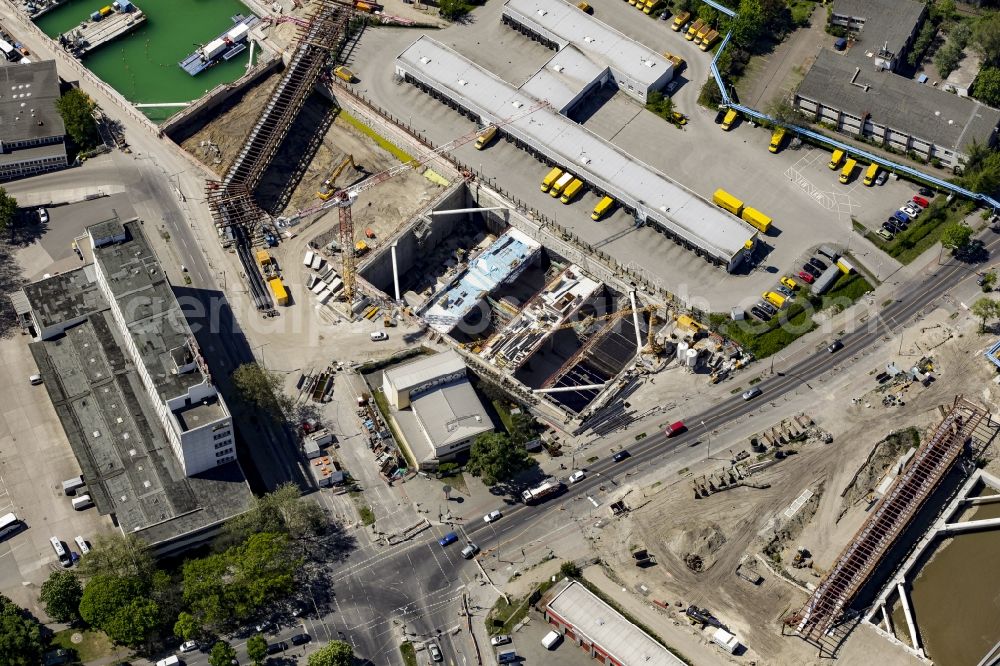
point(727, 122)
point(870, 174)
point(680, 20)
point(775, 299)
point(561, 182)
point(848, 170)
point(571, 190)
point(756, 219)
point(693, 30)
point(836, 159)
point(602, 208)
point(552, 177)
point(776, 139)
point(485, 138)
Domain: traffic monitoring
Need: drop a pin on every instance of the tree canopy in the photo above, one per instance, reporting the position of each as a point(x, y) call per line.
point(61, 594)
point(120, 607)
point(8, 209)
point(120, 555)
point(985, 309)
point(20, 636)
point(257, 649)
point(987, 86)
point(283, 511)
point(222, 654)
point(334, 653)
point(495, 457)
point(985, 38)
point(263, 389)
point(956, 236)
point(77, 111)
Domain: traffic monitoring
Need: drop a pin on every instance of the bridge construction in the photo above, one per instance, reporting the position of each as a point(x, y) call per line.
point(234, 210)
point(828, 604)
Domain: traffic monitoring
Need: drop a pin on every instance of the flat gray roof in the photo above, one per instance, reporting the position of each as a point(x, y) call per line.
point(424, 369)
point(451, 413)
point(24, 155)
point(28, 94)
point(65, 296)
point(889, 21)
point(152, 315)
point(658, 198)
point(200, 413)
point(922, 111)
point(596, 39)
point(562, 78)
point(606, 627)
point(129, 467)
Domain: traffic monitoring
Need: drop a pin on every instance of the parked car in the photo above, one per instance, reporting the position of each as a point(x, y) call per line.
point(884, 234)
point(784, 291)
point(768, 308)
point(378, 336)
point(911, 209)
point(817, 263)
point(836, 345)
point(621, 455)
point(891, 226)
point(926, 192)
point(434, 651)
point(492, 515)
point(881, 177)
point(502, 639)
point(812, 270)
point(275, 648)
point(751, 394)
point(901, 216)
point(760, 314)
point(577, 476)
point(448, 539)
point(188, 646)
point(806, 277)
point(920, 201)
point(789, 282)
point(43, 216)
point(300, 639)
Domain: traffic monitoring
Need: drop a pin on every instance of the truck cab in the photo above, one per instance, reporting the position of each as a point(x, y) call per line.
point(729, 119)
point(848, 170)
point(871, 174)
point(836, 158)
point(485, 138)
point(776, 139)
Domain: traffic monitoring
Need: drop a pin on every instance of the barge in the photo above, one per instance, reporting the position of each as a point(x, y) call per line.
point(103, 26)
point(224, 47)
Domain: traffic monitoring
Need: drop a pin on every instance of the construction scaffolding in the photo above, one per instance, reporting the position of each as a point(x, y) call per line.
point(905, 497)
point(236, 214)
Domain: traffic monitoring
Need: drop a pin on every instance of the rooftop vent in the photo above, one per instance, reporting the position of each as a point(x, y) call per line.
point(542, 12)
point(558, 68)
point(463, 82)
point(425, 60)
point(589, 39)
point(648, 63)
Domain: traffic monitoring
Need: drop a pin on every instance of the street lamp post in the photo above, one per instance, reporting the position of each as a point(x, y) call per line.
point(708, 451)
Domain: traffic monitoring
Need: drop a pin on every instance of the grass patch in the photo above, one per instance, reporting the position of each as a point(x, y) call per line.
point(846, 290)
point(503, 411)
point(504, 616)
point(367, 517)
point(592, 459)
point(379, 140)
point(611, 602)
point(95, 644)
point(409, 653)
point(755, 380)
point(456, 481)
point(641, 435)
point(383, 407)
point(923, 232)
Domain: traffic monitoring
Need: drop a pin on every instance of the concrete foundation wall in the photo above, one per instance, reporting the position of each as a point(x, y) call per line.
point(185, 123)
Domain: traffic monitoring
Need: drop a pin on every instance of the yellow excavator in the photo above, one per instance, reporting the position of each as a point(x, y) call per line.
point(327, 190)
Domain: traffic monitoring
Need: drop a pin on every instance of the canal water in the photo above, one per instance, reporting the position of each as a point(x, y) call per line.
point(956, 596)
point(142, 65)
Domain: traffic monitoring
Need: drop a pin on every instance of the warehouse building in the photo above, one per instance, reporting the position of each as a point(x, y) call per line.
point(636, 69)
point(601, 631)
point(655, 199)
point(857, 92)
point(153, 437)
point(435, 406)
point(32, 133)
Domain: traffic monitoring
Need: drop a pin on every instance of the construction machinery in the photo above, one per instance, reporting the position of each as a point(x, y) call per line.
point(343, 199)
point(652, 346)
point(327, 190)
point(584, 323)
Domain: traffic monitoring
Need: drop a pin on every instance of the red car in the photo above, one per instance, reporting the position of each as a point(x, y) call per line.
point(920, 201)
point(808, 279)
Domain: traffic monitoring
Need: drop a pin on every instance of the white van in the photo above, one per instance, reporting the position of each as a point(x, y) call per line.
point(551, 640)
point(70, 486)
point(170, 661)
point(81, 543)
point(83, 502)
point(35, 380)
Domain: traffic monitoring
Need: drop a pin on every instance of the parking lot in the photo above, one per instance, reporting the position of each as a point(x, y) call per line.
point(795, 187)
point(35, 458)
point(528, 643)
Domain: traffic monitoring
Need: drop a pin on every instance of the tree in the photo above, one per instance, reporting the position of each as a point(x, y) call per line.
point(222, 654)
point(956, 236)
point(283, 511)
point(257, 649)
point(987, 86)
point(985, 309)
point(452, 9)
point(923, 42)
point(77, 111)
point(187, 627)
point(61, 595)
point(523, 428)
point(118, 606)
point(783, 111)
point(749, 24)
point(261, 388)
point(334, 653)
point(205, 590)
point(8, 209)
point(569, 570)
point(496, 458)
point(948, 56)
point(985, 38)
point(20, 636)
point(118, 555)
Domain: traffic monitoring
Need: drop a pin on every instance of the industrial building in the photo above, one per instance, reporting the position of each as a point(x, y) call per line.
point(857, 92)
point(152, 435)
point(655, 199)
point(635, 68)
point(601, 631)
point(435, 406)
point(32, 133)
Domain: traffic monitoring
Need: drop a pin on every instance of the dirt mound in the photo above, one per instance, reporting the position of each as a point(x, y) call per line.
point(696, 546)
point(883, 455)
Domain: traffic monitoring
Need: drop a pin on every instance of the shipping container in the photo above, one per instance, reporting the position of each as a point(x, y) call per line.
point(571, 190)
point(278, 287)
point(756, 219)
point(727, 201)
point(550, 178)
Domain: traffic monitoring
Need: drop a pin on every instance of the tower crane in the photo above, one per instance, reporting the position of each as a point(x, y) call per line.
point(345, 198)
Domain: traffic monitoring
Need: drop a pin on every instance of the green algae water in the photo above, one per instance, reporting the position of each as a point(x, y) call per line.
point(142, 65)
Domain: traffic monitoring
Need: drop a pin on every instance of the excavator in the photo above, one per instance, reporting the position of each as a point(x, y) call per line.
point(327, 190)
